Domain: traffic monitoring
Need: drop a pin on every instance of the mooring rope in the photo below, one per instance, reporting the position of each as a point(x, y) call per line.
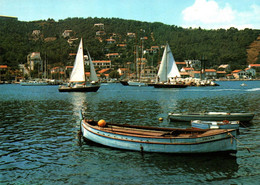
point(248, 149)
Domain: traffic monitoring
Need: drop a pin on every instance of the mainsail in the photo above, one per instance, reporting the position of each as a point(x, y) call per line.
point(168, 68)
point(78, 72)
point(93, 75)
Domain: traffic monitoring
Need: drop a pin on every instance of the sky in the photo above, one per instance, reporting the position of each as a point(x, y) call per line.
point(207, 14)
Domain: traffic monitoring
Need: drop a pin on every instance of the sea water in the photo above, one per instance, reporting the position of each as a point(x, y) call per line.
point(39, 141)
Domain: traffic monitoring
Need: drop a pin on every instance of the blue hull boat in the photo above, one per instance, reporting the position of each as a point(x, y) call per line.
point(211, 116)
point(215, 124)
point(157, 139)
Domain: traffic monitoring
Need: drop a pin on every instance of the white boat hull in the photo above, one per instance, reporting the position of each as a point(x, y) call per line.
point(244, 117)
point(222, 142)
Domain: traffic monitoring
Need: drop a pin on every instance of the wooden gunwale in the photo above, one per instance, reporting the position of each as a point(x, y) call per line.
point(135, 133)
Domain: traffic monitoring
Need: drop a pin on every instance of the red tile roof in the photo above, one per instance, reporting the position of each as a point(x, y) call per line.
point(221, 72)
point(254, 65)
point(236, 71)
point(210, 70)
point(101, 61)
point(3, 66)
point(104, 70)
point(184, 63)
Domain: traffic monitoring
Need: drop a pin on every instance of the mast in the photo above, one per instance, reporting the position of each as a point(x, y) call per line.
point(167, 60)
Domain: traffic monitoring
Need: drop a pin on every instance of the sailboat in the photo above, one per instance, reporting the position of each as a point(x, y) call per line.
point(168, 73)
point(137, 81)
point(78, 81)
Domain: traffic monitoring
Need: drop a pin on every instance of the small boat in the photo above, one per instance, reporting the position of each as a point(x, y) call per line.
point(168, 74)
point(136, 83)
point(34, 83)
point(124, 82)
point(225, 124)
point(78, 81)
point(211, 116)
point(158, 139)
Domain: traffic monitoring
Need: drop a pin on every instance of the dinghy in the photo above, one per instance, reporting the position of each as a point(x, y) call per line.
point(158, 139)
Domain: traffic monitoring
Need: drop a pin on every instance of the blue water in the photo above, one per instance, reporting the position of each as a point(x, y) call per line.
point(39, 142)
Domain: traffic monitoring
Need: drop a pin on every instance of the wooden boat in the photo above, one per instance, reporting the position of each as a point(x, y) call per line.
point(215, 124)
point(78, 82)
point(168, 75)
point(156, 139)
point(211, 116)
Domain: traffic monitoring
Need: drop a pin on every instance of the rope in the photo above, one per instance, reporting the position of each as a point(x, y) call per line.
point(248, 149)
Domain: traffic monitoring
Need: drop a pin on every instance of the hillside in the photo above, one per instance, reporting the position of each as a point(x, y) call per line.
point(253, 52)
point(18, 39)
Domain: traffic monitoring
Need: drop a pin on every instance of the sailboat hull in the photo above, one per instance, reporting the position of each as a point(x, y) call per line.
point(161, 85)
point(79, 89)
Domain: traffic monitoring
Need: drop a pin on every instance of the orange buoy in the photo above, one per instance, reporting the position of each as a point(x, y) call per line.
point(101, 123)
point(160, 119)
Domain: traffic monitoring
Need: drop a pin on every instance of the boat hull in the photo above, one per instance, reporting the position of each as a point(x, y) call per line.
point(34, 84)
point(132, 83)
point(158, 85)
point(208, 125)
point(79, 89)
point(244, 117)
point(221, 142)
point(124, 82)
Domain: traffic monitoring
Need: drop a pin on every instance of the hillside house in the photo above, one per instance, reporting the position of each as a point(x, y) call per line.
point(110, 41)
point(100, 33)
point(180, 65)
point(66, 33)
point(224, 67)
point(188, 70)
point(112, 55)
point(239, 74)
point(185, 74)
point(36, 33)
point(3, 71)
point(105, 72)
point(99, 26)
point(250, 72)
point(197, 74)
point(193, 63)
point(32, 59)
point(131, 35)
point(255, 66)
point(102, 63)
point(122, 46)
point(148, 73)
point(210, 73)
point(221, 74)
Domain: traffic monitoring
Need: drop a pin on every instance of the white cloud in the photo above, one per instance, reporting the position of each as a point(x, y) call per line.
point(208, 14)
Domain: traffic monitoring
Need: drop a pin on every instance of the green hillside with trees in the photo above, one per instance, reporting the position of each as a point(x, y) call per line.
point(217, 46)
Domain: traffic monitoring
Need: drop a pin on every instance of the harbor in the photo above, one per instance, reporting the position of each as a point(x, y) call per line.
point(40, 142)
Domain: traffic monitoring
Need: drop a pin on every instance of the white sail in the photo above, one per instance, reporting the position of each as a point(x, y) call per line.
point(93, 74)
point(168, 68)
point(78, 72)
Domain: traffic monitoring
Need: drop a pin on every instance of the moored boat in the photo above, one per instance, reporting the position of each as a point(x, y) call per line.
point(157, 139)
point(34, 83)
point(78, 82)
point(168, 75)
point(215, 124)
point(211, 116)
